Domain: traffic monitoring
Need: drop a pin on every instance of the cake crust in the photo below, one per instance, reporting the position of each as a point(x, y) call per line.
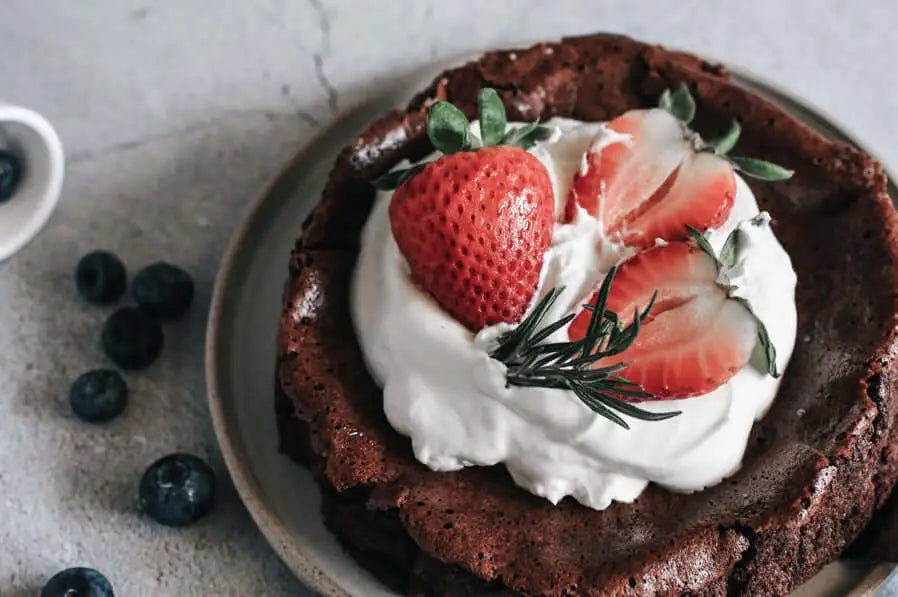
point(816, 467)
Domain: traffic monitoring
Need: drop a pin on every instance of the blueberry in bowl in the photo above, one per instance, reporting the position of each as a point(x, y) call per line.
point(10, 175)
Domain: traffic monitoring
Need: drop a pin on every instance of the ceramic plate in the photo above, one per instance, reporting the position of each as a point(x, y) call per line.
point(240, 361)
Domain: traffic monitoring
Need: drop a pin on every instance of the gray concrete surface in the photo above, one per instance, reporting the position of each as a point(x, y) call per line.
point(173, 115)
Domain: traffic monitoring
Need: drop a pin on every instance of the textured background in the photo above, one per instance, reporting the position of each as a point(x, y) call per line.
point(173, 114)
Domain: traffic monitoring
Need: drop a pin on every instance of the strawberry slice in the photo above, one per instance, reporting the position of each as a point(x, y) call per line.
point(651, 183)
point(695, 337)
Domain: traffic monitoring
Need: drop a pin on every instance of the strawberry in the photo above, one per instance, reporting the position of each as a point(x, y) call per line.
point(694, 338)
point(653, 182)
point(473, 225)
point(661, 180)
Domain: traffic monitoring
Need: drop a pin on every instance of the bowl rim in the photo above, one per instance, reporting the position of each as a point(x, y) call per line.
point(48, 189)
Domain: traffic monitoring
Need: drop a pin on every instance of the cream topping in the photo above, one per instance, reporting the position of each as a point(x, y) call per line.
point(441, 388)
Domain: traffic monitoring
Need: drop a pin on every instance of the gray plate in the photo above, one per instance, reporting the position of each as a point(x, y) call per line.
point(240, 357)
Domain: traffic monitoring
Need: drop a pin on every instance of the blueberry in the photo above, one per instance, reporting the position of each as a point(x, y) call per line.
point(78, 582)
point(10, 175)
point(163, 289)
point(98, 395)
point(177, 490)
point(100, 277)
point(132, 338)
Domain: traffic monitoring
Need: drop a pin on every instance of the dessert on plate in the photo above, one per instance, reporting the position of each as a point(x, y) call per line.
point(591, 318)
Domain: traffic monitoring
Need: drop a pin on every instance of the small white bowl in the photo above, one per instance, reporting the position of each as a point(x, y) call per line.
point(33, 140)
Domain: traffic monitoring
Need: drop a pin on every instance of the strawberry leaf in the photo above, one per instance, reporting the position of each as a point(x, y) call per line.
point(492, 117)
point(767, 346)
point(679, 103)
point(728, 257)
point(760, 169)
point(527, 136)
point(393, 179)
point(702, 243)
point(447, 128)
point(730, 250)
point(538, 134)
point(725, 142)
point(764, 346)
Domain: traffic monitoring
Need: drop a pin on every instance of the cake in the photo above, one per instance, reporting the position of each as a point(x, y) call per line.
point(815, 469)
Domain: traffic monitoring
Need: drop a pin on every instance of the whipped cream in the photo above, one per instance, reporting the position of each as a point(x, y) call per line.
point(441, 388)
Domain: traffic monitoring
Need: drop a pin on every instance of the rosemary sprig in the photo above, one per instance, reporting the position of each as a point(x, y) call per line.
point(533, 362)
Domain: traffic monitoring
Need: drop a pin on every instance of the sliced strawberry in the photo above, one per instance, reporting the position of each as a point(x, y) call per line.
point(629, 169)
point(652, 183)
point(695, 337)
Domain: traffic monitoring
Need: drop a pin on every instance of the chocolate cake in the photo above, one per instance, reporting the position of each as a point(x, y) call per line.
point(817, 466)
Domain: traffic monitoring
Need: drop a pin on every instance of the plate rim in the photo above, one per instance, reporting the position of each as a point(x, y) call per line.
point(246, 486)
point(263, 515)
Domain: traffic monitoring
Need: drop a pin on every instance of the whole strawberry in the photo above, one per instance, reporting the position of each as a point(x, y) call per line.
point(474, 224)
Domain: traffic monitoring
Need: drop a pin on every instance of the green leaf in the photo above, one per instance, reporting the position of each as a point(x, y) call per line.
point(571, 365)
point(388, 181)
point(634, 411)
point(598, 313)
point(702, 243)
point(552, 328)
point(679, 103)
point(393, 179)
point(492, 117)
point(648, 308)
point(538, 134)
point(761, 169)
point(511, 343)
point(730, 251)
point(527, 136)
point(768, 348)
point(598, 407)
point(728, 256)
point(512, 136)
point(447, 128)
point(764, 345)
point(725, 142)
